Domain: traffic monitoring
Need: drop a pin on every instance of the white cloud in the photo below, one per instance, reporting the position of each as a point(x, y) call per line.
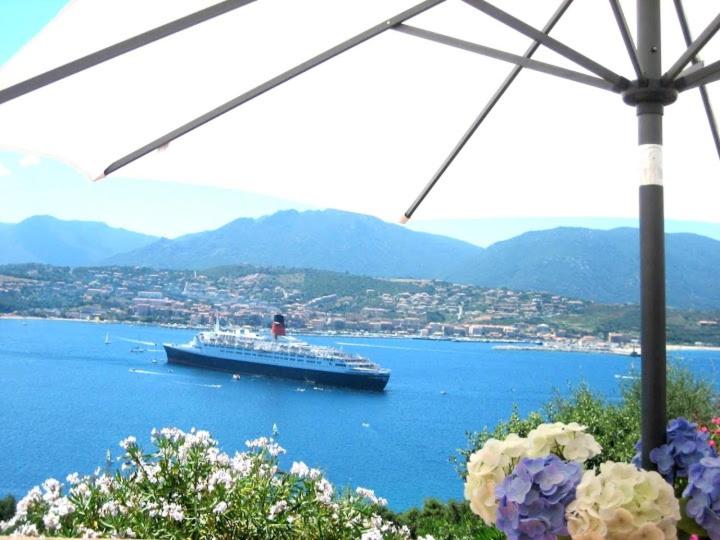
point(4, 171)
point(29, 160)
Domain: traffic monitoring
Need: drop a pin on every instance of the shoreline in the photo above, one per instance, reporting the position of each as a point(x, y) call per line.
point(509, 344)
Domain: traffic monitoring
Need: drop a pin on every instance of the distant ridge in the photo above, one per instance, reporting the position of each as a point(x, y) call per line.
point(325, 240)
point(49, 240)
point(598, 265)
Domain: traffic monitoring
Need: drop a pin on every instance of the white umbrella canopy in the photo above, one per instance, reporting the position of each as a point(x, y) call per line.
point(365, 130)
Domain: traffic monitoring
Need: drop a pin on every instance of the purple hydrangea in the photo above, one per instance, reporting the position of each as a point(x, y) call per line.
point(685, 446)
point(703, 495)
point(532, 499)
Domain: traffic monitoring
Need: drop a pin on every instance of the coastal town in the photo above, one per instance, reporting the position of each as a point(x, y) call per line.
point(319, 302)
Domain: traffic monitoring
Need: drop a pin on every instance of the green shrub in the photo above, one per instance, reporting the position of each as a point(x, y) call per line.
point(7, 508)
point(616, 426)
point(444, 521)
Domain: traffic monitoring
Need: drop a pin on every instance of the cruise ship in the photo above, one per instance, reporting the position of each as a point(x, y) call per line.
point(242, 351)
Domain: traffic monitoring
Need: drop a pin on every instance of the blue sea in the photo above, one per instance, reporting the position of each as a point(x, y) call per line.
point(66, 397)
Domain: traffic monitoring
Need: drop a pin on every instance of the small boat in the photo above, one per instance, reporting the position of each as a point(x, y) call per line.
point(443, 392)
point(236, 376)
point(137, 350)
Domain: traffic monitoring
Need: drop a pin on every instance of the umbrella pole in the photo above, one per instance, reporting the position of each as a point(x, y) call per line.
point(652, 235)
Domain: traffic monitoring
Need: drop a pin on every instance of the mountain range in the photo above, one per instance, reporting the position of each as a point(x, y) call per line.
point(45, 239)
point(598, 265)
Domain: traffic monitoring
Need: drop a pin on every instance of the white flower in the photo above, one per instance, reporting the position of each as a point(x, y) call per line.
point(567, 441)
point(128, 443)
point(110, 508)
point(104, 484)
point(23, 505)
point(323, 490)
point(51, 521)
point(52, 490)
point(28, 529)
point(62, 506)
point(277, 508)
point(87, 532)
point(369, 494)
point(623, 502)
point(486, 469)
point(220, 477)
point(372, 534)
point(80, 490)
point(173, 511)
point(241, 464)
point(220, 507)
point(300, 469)
point(73, 478)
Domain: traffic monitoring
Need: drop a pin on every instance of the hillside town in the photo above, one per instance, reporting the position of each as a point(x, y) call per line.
point(312, 301)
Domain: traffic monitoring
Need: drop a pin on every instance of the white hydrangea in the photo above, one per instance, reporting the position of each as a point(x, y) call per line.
point(623, 501)
point(486, 469)
point(568, 441)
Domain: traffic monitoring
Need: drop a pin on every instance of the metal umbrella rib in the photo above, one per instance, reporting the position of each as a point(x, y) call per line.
point(692, 50)
point(516, 59)
point(118, 49)
point(551, 43)
point(685, 27)
point(699, 77)
point(272, 83)
point(627, 37)
point(484, 113)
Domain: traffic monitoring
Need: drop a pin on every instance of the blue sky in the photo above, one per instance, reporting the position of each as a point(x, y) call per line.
point(32, 186)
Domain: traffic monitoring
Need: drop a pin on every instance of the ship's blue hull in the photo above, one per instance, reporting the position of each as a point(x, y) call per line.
point(361, 381)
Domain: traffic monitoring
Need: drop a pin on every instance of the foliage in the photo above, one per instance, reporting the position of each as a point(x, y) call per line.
point(443, 521)
point(616, 426)
point(188, 488)
point(7, 507)
point(688, 396)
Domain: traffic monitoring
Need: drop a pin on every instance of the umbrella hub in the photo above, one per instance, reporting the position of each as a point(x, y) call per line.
point(649, 91)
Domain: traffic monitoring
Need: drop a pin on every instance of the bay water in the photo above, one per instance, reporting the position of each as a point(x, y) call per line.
point(66, 397)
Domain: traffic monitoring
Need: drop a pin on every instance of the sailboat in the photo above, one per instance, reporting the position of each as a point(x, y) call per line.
point(107, 338)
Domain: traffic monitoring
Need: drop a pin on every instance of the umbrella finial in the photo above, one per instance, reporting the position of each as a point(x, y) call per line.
point(403, 219)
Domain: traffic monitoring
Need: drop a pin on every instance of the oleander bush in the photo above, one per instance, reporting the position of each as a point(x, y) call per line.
point(187, 488)
point(443, 521)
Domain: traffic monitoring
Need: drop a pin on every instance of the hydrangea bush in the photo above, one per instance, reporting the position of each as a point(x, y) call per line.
point(532, 499)
point(623, 501)
point(686, 445)
point(703, 495)
point(531, 488)
point(187, 488)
